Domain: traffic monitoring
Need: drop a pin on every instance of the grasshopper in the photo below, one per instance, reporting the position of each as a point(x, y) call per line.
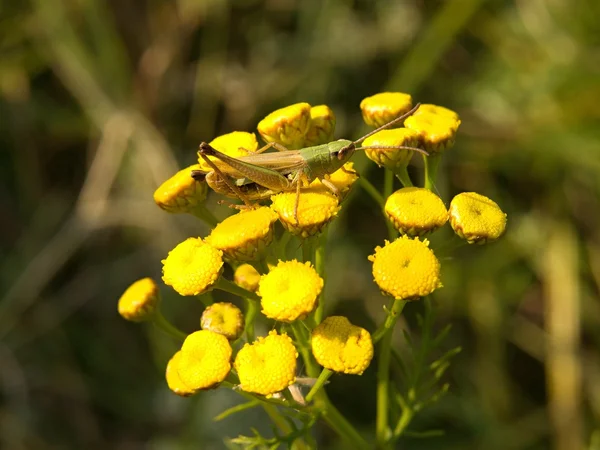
point(259, 175)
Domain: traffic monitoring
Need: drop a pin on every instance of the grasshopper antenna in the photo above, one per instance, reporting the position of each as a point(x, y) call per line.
point(393, 147)
point(389, 124)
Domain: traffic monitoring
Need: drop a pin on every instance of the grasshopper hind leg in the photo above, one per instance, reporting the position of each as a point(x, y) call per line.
point(225, 178)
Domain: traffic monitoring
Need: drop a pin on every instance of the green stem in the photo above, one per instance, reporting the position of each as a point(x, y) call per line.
point(277, 418)
point(383, 372)
point(394, 311)
point(251, 311)
point(388, 188)
point(372, 191)
point(229, 286)
point(323, 377)
point(206, 298)
point(403, 422)
point(320, 268)
point(388, 184)
point(432, 163)
point(201, 212)
point(340, 424)
point(159, 320)
point(307, 249)
point(280, 249)
point(331, 415)
point(402, 175)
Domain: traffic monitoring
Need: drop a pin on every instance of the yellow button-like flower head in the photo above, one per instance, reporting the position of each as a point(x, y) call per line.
point(315, 210)
point(205, 360)
point(139, 301)
point(415, 211)
point(476, 218)
point(181, 193)
point(174, 381)
point(223, 318)
point(427, 108)
point(436, 132)
point(192, 267)
point(268, 365)
point(289, 291)
point(287, 126)
point(247, 277)
point(342, 347)
point(342, 179)
point(393, 158)
point(380, 109)
point(236, 144)
point(322, 126)
point(406, 269)
point(244, 236)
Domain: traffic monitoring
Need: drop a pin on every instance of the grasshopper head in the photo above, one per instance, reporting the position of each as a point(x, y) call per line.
point(344, 153)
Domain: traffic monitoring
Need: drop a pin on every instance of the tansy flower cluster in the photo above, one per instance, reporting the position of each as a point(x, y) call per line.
point(269, 257)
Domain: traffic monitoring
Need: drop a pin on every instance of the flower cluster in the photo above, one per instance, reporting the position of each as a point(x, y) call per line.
point(282, 285)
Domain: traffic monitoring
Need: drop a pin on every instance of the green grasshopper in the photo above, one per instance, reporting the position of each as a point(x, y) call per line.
point(260, 175)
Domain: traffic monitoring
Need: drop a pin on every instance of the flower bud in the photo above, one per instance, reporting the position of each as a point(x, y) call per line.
point(139, 302)
point(287, 126)
point(322, 126)
point(223, 318)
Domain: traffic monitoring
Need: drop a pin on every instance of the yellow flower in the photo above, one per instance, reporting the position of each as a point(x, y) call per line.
point(236, 144)
point(342, 347)
point(139, 301)
point(381, 108)
point(342, 179)
point(393, 158)
point(181, 193)
point(287, 126)
point(289, 291)
point(406, 269)
point(436, 132)
point(268, 365)
point(205, 360)
point(244, 236)
point(315, 210)
point(173, 380)
point(247, 277)
point(322, 126)
point(192, 267)
point(427, 108)
point(476, 218)
point(415, 211)
point(223, 318)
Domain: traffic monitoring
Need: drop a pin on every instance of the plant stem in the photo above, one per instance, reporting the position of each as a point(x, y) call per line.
point(206, 298)
point(432, 163)
point(403, 422)
point(228, 286)
point(201, 212)
point(372, 191)
point(394, 311)
point(388, 188)
point(323, 377)
point(307, 249)
point(331, 415)
point(383, 370)
point(320, 268)
point(402, 175)
point(159, 320)
point(251, 311)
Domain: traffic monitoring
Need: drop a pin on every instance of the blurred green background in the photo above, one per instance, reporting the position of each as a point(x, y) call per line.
point(101, 101)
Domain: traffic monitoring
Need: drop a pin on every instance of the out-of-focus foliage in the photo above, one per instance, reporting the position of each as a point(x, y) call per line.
point(101, 101)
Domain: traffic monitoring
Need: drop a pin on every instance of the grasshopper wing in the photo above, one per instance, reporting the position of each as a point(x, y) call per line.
point(282, 162)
